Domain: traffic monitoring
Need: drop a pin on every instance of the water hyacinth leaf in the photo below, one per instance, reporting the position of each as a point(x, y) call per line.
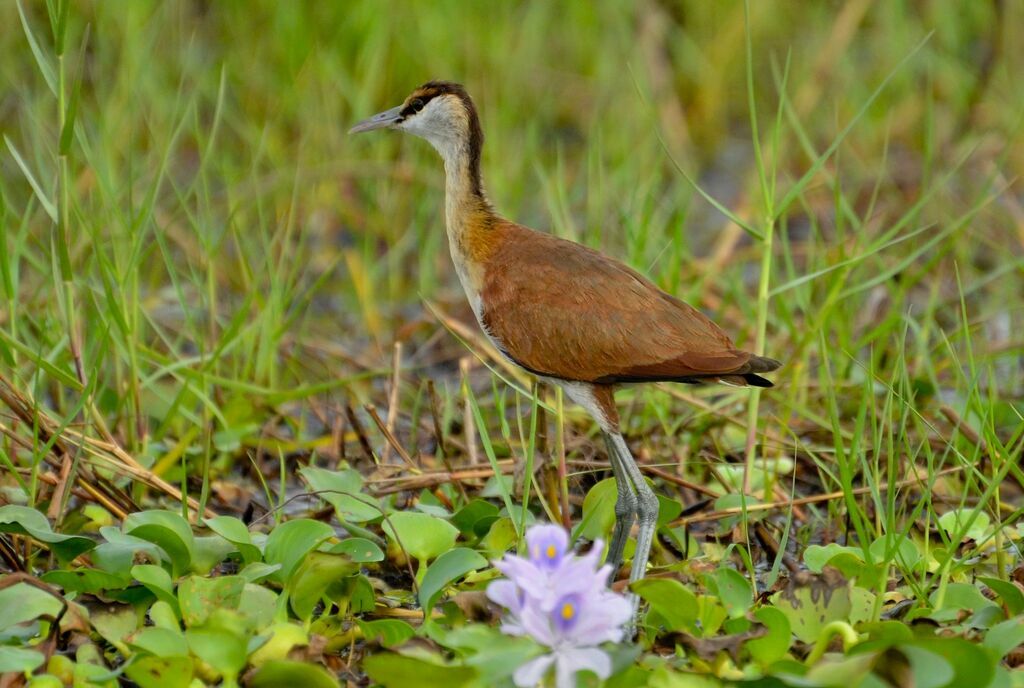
point(156, 671)
point(501, 537)
point(400, 671)
point(199, 596)
point(290, 542)
point(359, 550)
point(843, 671)
point(675, 604)
point(210, 550)
point(466, 518)
point(235, 532)
point(258, 605)
point(598, 511)
point(849, 560)
point(284, 672)
point(120, 552)
point(85, 580)
point(281, 638)
point(386, 632)
point(448, 568)
point(958, 596)
point(1011, 595)
point(257, 571)
point(222, 648)
point(928, 669)
point(23, 602)
point(162, 642)
point(115, 623)
point(344, 491)
point(668, 510)
point(169, 531)
point(164, 615)
point(311, 579)
point(24, 520)
point(774, 645)
point(421, 536)
point(811, 607)
point(18, 660)
point(967, 524)
point(971, 663)
point(1005, 636)
point(158, 581)
point(733, 591)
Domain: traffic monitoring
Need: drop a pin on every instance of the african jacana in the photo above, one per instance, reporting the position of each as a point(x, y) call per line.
point(564, 312)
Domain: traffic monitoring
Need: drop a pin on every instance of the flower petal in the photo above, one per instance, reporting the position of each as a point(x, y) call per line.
point(505, 593)
point(531, 673)
point(572, 660)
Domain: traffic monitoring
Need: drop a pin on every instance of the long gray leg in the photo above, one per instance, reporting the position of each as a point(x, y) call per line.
point(646, 506)
point(625, 507)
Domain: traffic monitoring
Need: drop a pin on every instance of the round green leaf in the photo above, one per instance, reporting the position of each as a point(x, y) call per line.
point(289, 543)
point(448, 568)
point(422, 536)
point(283, 672)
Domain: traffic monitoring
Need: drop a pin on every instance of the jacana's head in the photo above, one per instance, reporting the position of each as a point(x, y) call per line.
point(440, 112)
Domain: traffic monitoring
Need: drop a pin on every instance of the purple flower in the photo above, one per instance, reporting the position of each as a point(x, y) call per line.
point(562, 601)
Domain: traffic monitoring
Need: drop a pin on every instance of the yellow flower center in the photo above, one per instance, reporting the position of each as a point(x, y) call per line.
point(568, 611)
point(551, 552)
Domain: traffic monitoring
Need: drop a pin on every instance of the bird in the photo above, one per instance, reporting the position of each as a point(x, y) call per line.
point(564, 312)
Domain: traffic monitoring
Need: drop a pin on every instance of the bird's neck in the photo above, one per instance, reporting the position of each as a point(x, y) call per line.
point(468, 214)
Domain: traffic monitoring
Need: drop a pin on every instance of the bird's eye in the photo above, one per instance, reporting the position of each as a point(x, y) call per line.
point(416, 104)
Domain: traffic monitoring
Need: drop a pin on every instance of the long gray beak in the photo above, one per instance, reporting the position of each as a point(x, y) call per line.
point(379, 121)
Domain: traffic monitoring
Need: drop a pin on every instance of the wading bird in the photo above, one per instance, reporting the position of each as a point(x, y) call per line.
point(564, 312)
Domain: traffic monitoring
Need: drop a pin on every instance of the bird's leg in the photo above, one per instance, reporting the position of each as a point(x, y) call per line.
point(625, 508)
point(646, 506)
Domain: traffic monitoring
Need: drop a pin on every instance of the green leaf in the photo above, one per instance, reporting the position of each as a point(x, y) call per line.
point(160, 672)
point(772, 646)
point(422, 536)
point(115, 623)
point(398, 671)
point(209, 551)
point(466, 518)
point(162, 642)
point(387, 632)
point(18, 660)
point(343, 491)
point(1010, 594)
point(675, 604)
point(448, 568)
point(733, 590)
point(120, 552)
point(23, 602)
point(970, 524)
point(598, 511)
point(199, 596)
point(810, 608)
point(290, 542)
point(92, 581)
point(223, 649)
point(359, 550)
point(169, 531)
point(235, 532)
point(311, 579)
point(971, 663)
point(283, 672)
point(24, 520)
point(258, 605)
point(158, 581)
point(1005, 636)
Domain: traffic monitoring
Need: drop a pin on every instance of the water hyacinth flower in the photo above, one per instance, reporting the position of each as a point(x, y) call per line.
point(563, 602)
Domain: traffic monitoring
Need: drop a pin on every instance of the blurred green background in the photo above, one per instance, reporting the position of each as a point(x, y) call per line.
point(227, 245)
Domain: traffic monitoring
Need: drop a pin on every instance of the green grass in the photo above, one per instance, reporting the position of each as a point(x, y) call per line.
point(199, 266)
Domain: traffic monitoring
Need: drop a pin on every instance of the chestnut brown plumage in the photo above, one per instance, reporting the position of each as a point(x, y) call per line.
point(565, 312)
